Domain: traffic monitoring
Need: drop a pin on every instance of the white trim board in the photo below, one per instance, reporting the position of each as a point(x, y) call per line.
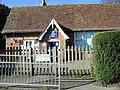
point(53, 22)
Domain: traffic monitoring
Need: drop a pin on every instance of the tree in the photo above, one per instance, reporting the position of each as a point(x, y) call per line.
point(110, 1)
point(4, 12)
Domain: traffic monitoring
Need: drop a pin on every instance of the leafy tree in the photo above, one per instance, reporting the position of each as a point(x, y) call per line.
point(4, 12)
point(110, 1)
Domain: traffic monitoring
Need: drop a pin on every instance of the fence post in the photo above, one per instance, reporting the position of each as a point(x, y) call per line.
point(83, 59)
point(75, 61)
point(20, 59)
point(49, 52)
point(65, 61)
point(72, 61)
point(27, 61)
point(75, 53)
point(23, 61)
point(87, 60)
point(31, 61)
point(61, 61)
point(91, 55)
point(68, 50)
point(17, 53)
point(59, 65)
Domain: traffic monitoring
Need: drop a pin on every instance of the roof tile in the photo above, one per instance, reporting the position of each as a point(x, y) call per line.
point(70, 16)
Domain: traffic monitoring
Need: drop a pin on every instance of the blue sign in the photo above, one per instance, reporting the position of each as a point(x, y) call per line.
point(54, 34)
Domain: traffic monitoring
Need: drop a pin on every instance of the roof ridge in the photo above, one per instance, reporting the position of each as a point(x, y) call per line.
point(54, 5)
point(70, 16)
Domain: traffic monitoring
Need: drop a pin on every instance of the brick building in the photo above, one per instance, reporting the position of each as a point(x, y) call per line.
point(59, 25)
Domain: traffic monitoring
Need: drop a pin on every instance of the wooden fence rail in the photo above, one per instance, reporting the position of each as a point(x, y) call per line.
point(76, 60)
point(73, 60)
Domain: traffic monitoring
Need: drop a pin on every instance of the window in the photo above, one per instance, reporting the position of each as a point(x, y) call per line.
point(27, 44)
point(83, 38)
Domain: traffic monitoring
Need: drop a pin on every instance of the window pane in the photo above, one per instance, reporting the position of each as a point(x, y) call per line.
point(83, 38)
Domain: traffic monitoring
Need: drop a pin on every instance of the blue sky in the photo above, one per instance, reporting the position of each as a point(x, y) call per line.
point(14, 3)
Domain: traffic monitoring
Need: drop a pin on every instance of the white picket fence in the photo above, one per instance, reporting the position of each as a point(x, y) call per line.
point(73, 60)
point(76, 61)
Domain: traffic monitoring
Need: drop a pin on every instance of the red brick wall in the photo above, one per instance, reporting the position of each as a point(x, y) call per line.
point(13, 41)
point(62, 40)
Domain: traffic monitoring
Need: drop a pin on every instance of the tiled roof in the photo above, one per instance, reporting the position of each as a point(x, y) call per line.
point(75, 17)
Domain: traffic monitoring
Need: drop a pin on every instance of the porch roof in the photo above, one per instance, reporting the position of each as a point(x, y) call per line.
point(75, 17)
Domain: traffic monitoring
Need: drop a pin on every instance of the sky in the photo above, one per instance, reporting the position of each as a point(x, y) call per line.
point(17, 3)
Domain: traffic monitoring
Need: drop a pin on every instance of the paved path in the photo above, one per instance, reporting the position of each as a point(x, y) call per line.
point(93, 87)
point(69, 86)
point(84, 87)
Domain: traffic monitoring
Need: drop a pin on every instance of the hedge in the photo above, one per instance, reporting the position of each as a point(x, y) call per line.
point(106, 57)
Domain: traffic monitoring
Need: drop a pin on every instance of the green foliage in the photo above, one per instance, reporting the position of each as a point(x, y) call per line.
point(4, 12)
point(106, 58)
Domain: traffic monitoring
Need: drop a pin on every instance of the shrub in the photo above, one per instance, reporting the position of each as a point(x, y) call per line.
point(106, 57)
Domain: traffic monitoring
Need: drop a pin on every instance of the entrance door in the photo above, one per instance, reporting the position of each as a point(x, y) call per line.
point(53, 44)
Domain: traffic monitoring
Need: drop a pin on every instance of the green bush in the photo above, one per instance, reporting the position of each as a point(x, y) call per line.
point(106, 57)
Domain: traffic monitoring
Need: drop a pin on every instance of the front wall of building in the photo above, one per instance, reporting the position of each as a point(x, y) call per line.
point(15, 41)
point(79, 39)
point(47, 40)
point(62, 40)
